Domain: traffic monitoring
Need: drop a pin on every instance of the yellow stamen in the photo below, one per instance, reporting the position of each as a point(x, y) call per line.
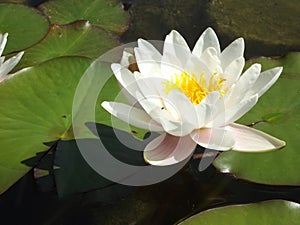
point(195, 88)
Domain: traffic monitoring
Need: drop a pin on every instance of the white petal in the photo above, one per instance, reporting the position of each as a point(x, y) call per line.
point(151, 87)
point(148, 67)
point(212, 61)
point(232, 51)
point(149, 50)
point(234, 113)
point(168, 150)
point(214, 139)
point(167, 114)
point(9, 64)
point(184, 109)
point(174, 106)
point(134, 116)
point(148, 58)
point(207, 39)
point(239, 90)
point(127, 57)
point(3, 40)
point(182, 105)
point(265, 80)
point(211, 98)
point(125, 78)
point(170, 66)
point(177, 128)
point(176, 45)
point(196, 67)
point(205, 114)
point(207, 109)
point(251, 140)
point(233, 71)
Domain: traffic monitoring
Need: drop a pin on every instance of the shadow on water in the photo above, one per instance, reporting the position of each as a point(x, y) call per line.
point(182, 195)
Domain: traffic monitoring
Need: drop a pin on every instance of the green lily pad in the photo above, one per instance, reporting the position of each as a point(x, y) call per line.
point(36, 107)
point(290, 63)
point(22, 32)
point(276, 113)
point(276, 212)
point(107, 14)
point(77, 39)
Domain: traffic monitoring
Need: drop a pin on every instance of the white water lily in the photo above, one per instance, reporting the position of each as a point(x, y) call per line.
point(193, 97)
point(8, 65)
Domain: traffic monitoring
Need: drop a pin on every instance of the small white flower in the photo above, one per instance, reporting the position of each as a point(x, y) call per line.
point(192, 97)
point(8, 65)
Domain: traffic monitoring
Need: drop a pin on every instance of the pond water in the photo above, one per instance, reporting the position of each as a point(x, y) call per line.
point(270, 28)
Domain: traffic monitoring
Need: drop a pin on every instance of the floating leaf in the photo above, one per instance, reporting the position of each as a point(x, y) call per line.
point(276, 212)
point(77, 39)
point(25, 29)
point(36, 107)
point(290, 63)
point(277, 113)
point(107, 14)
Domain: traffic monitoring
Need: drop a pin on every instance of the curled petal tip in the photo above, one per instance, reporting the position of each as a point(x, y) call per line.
point(252, 140)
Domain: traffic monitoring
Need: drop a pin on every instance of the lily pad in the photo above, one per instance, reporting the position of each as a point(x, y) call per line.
point(36, 107)
point(77, 39)
point(22, 32)
point(277, 113)
point(107, 14)
point(276, 212)
point(290, 63)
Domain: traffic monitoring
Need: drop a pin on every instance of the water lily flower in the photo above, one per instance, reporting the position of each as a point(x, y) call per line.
point(192, 97)
point(8, 65)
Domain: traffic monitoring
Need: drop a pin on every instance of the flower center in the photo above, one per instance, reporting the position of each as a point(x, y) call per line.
point(196, 88)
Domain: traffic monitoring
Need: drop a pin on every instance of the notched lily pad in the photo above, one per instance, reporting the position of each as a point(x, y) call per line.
point(277, 113)
point(107, 14)
point(78, 39)
point(26, 26)
point(275, 212)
